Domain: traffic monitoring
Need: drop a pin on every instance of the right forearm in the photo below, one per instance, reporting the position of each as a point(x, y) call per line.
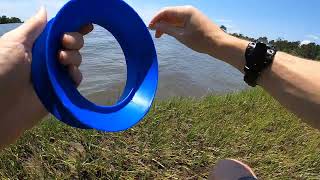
point(293, 81)
point(231, 50)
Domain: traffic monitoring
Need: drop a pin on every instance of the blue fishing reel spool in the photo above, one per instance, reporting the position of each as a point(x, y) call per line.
point(56, 89)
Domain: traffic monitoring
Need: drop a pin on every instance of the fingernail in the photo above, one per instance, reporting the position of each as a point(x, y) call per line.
point(151, 26)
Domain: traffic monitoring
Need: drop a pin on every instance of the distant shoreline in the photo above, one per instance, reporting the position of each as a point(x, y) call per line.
point(11, 23)
point(9, 20)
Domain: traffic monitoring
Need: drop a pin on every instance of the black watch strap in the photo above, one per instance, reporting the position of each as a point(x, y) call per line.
point(259, 56)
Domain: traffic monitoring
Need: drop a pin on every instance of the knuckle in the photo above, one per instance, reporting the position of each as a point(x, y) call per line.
point(165, 9)
point(18, 49)
point(190, 8)
point(73, 40)
point(78, 40)
point(21, 51)
point(66, 36)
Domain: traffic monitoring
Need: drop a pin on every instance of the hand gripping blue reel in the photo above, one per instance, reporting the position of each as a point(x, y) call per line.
point(55, 88)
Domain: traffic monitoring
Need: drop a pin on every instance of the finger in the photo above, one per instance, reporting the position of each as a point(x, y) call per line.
point(32, 28)
point(158, 34)
point(86, 29)
point(72, 41)
point(173, 15)
point(75, 74)
point(167, 28)
point(70, 58)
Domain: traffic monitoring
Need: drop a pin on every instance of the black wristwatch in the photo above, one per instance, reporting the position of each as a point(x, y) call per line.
point(259, 56)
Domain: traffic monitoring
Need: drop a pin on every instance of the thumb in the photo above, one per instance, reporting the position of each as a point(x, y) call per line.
point(32, 28)
point(169, 29)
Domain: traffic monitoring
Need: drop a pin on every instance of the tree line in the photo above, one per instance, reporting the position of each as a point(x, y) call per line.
point(7, 20)
point(309, 51)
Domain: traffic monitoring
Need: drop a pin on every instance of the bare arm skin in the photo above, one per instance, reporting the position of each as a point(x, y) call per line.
point(293, 81)
point(20, 108)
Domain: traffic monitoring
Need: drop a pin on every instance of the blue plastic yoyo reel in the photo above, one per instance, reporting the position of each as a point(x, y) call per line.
point(57, 91)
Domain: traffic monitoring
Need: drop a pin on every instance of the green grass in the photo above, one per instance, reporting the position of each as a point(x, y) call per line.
point(180, 138)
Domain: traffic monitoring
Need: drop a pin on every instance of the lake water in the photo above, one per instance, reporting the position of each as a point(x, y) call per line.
point(183, 72)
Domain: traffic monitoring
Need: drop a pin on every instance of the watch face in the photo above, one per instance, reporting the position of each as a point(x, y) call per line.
point(259, 56)
point(261, 49)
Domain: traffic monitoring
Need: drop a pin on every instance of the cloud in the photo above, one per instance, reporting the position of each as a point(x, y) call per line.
point(223, 21)
point(229, 24)
point(305, 42)
point(312, 36)
point(234, 31)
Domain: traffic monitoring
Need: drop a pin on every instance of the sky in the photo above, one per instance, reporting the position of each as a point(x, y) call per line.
point(287, 19)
